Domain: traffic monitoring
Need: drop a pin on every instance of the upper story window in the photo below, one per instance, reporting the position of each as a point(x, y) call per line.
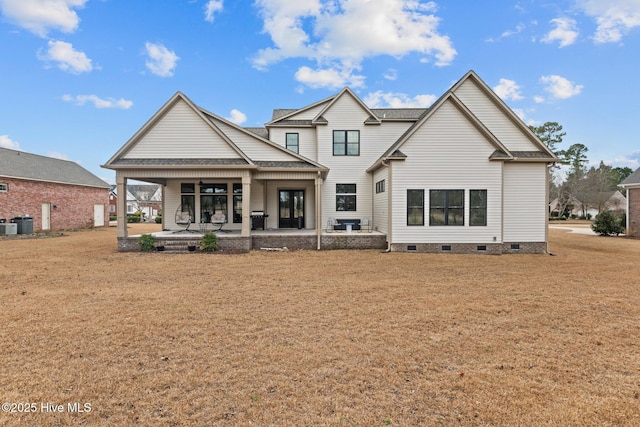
point(293, 142)
point(4, 187)
point(346, 142)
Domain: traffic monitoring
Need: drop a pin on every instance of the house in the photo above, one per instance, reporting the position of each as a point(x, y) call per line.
point(146, 199)
point(56, 194)
point(590, 204)
point(632, 185)
point(465, 175)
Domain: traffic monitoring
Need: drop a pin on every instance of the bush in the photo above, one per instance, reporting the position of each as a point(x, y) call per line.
point(159, 217)
point(133, 218)
point(209, 242)
point(147, 242)
point(607, 223)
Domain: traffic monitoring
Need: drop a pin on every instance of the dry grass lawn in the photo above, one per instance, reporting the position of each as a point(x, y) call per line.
point(354, 338)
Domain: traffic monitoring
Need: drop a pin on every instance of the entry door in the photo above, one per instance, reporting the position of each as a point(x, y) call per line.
point(46, 216)
point(98, 215)
point(291, 212)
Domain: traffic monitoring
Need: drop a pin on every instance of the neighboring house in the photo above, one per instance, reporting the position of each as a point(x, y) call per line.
point(590, 204)
point(113, 201)
point(464, 175)
point(146, 199)
point(632, 185)
point(57, 194)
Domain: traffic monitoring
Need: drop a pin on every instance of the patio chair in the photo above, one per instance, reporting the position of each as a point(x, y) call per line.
point(183, 219)
point(220, 220)
point(331, 222)
point(365, 223)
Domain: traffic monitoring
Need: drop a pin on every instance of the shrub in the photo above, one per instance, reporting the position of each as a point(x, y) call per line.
point(209, 242)
point(147, 242)
point(606, 224)
point(159, 217)
point(133, 218)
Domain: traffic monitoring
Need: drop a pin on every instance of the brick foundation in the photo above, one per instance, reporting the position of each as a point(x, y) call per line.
point(471, 248)
point(633, 195)
point(71, 205)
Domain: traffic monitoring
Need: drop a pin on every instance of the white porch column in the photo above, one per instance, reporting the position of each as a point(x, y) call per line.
point(246, 204)
point(319, 224)
point(121, 205)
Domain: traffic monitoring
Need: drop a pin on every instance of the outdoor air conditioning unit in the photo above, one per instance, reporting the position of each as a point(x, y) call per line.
point(8, 228)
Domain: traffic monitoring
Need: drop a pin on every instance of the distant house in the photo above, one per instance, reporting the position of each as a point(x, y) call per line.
point(465, 175)
point(146, 199)
point(590, 204)
point(632, 185)
point(57, 194)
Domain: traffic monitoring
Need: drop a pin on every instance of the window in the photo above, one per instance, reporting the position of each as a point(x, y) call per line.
point(213, 199)
point(446, 207)
point(292, 142)
point(345, 197)
point(4, 188)
point(237, 203)
point(188, 199)
point(477, 207)
point(346, 142)
point(380, 186)
point(415, 207)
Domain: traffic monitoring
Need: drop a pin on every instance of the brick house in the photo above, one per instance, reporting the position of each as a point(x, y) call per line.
point(632, 185)
point(57, 194)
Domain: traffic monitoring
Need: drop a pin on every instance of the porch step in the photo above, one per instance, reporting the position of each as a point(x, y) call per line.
point(179, 246)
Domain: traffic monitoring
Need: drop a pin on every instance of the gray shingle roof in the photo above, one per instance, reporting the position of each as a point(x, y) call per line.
point(531, 155)
point(634, 178)
point(263, 132)
point(18, 164)
point(285, 164)
point(281, 112)
point(398, 113)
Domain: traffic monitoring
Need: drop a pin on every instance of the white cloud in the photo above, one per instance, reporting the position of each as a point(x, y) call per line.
point(57, 155)
point(237, 117)
point(519, 28)
point(614, 17)
point(211, 8)
point(560, 87)
point(340, 34)
point(66, 57)
point(508, 89)
point(6, 142)
point(331, 78)
point(631, 160)
point(161, 61)
point(381, 99)
point(565, 32)
point(391, 74)
point(98, 102)
point(39, 16)
point(538, 99)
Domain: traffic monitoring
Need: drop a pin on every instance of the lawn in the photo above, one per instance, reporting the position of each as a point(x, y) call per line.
point(353, 338)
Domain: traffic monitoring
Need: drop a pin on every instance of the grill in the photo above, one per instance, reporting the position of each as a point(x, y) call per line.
point(257, 219)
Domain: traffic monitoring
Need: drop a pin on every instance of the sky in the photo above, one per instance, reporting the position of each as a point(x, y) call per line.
point(79, 77)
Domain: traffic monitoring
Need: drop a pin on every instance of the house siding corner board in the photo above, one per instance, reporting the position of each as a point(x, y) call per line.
point(181, 134)
point(525, 207)
point(494, 119)
point(447, 153)
point(71, 206)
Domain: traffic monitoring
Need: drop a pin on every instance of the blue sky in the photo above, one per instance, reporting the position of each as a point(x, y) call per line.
point(80, 77)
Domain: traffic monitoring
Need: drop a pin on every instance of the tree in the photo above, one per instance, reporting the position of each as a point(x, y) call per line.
point(576, 157)
point(550, 134)
point(620, 174)
point(606, 223)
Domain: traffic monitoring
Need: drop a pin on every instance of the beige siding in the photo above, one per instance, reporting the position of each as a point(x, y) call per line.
point(182, 134)
point(447, 153)
point(381, 201)
point(347, 114)
point(525, 206)
point(309, 114)
point(493, 118)
point(306, 139)
point(255, 149)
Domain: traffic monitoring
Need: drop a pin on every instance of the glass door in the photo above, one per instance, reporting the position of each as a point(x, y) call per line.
point(291, 211)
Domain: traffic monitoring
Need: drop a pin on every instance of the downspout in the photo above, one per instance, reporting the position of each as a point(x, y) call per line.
point(546, 217)
point(387, 165)
point(318, 211)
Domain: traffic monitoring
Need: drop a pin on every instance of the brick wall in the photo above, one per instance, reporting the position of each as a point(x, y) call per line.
point(472, 248)
point(71, 205)
point(633, 195)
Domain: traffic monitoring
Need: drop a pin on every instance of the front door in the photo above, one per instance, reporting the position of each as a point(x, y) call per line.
point(291, 212)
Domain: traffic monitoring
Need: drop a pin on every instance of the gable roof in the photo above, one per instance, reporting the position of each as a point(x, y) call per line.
point(632, 180)
point(504, 108)
point(22, 165)
point(214, 122)
point(373, 119)
point(144, 192)
point(280, 115)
